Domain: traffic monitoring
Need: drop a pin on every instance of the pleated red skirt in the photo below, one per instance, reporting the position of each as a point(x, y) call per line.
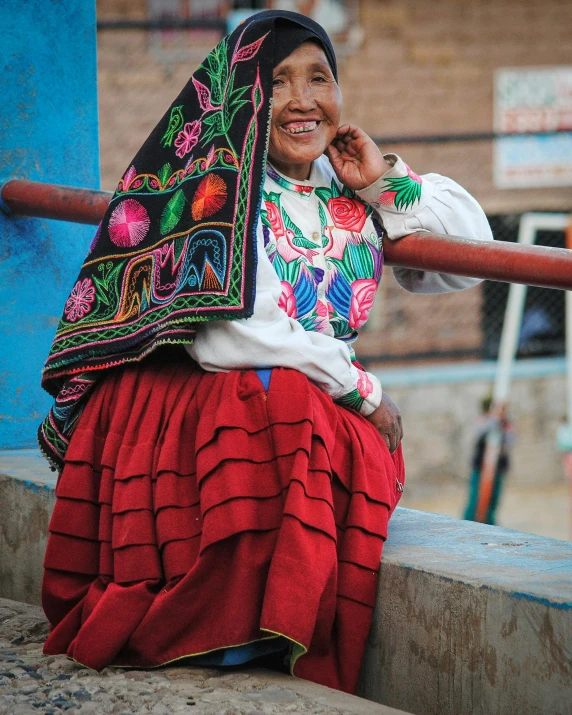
point(196, 511)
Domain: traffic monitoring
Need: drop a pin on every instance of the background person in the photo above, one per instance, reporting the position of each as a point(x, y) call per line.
point(484, 494)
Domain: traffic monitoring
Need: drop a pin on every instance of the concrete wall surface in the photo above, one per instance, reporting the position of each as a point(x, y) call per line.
point(471, 620)
point(27, 497)
point(440, 406)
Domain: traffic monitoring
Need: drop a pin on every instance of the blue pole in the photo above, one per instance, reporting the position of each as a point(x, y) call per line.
point(48, 132)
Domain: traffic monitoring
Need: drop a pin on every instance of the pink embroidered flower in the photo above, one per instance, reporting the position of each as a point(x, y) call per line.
point(288, 300)
point(387, 198)
point(321, 309)
point(348, 214)
point(188, 138)
point(363, 295)
point(364, 384)
point(128, 223)
point(80, 300)
point(413, 175)
point(275, 219)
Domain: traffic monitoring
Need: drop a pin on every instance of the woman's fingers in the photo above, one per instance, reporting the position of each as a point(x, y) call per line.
point(387, 420)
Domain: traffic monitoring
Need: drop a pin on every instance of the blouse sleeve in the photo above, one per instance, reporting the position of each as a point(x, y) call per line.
point(270, 338)
point(407, 203)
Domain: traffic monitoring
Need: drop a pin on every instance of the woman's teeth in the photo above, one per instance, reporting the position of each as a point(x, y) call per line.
point(301, 127)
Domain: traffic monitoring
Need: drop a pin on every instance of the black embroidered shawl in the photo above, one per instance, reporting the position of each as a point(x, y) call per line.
point(177, 245)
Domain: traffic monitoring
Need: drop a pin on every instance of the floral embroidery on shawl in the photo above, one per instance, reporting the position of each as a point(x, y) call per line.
point(177, 244)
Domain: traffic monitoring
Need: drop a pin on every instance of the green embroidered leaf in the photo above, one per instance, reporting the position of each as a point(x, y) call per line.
point(272, 196)
point(361, 260)
point(323, 194)
point(257, 96)
point(172, 212)
point(309, 323)
point(237, 93)
point(214, 122)
point(234, 110)
point(264, 218)
point(290, 224)
point(164, 173)
point(287, 272)
point(408, 192)
point(212, 119)
point(323, 218)
point(344, 266)
point(335, 189)
point(353, 400)
point(101, 289)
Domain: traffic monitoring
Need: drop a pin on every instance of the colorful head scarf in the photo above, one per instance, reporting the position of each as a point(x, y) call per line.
point(177, 245)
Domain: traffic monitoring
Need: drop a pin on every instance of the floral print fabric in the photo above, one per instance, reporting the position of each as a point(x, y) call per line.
point(325, 249)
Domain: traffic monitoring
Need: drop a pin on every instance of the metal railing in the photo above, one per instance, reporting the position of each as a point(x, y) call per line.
point(499, 261)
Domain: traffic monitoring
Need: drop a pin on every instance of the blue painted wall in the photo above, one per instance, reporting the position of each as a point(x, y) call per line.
point(48, 132)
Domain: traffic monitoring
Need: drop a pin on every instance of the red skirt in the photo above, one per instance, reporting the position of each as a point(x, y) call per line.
point(196, 511)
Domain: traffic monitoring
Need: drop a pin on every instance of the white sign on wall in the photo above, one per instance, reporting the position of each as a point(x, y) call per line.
point(533, 100)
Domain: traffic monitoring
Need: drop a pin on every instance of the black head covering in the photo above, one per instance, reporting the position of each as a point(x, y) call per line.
point(177, 245)
point(288, 36)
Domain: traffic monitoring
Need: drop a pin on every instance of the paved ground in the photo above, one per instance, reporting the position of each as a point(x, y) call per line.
point(544, 510)
point(32, 684)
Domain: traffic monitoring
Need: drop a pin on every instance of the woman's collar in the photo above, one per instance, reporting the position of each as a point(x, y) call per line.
point(302, 188)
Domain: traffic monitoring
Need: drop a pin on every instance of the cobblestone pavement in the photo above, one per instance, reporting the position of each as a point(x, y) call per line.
point(31, 683)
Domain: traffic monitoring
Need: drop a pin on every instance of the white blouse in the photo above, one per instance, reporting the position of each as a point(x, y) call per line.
point(319, 262)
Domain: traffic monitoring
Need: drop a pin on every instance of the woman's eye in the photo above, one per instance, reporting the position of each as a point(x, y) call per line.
point(319, 78)
point(276, 82)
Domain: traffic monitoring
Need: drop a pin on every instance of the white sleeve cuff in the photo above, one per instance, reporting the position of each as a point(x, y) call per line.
point(365, 398)
point(397, 192)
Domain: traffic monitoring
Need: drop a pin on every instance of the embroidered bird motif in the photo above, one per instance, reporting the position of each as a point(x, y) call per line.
point(176, 122)
point(296, 240)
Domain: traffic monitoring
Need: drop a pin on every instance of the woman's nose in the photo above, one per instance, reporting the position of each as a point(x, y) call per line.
point(302, 97)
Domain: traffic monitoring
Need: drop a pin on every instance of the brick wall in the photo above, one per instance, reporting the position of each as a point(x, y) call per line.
point(423, 68)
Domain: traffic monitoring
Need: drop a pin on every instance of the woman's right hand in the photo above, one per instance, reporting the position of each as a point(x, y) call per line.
point(387, 420)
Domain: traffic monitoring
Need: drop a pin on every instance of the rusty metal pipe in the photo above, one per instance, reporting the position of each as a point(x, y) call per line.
point(63, 203)
point(498, 261)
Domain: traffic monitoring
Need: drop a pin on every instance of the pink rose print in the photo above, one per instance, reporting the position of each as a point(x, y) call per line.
point(188, 138)
point(321, 309)
point(363, 295)
point(275, 219)
point(364, 384)
point(348, 214)
point(80, 300)
point(288, 300)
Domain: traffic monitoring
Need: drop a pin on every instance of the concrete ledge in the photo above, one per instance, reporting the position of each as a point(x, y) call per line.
point(470, 619)
point(27, 497)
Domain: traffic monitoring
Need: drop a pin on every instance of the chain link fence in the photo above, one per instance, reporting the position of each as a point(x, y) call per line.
point(465, 325)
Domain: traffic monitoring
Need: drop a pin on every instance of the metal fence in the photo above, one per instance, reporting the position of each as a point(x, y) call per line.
point(464, 325)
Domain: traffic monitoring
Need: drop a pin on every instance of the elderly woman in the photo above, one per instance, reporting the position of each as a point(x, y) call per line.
point(228, 468)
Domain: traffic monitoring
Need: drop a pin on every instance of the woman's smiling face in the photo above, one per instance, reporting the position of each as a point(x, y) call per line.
point(306, 110)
